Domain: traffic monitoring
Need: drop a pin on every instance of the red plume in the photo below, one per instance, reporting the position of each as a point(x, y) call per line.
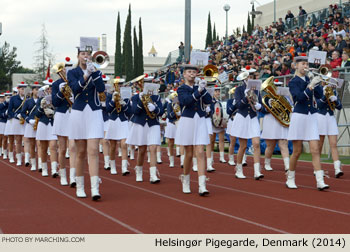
point(103, 76)
point(67, 59)
point(247, 68)
point(50, 80)
point(303, 54)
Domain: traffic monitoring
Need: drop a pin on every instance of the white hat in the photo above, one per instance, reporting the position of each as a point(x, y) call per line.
point(120, 80)
point(68, 62)
point(278, 82)
point(276, 62)
point(243, 75)
point(22, 84)
point(248, 69)
point(2, 95)
point(315, 48)
point(14, 89)
point(8, 93)
point(48, 81)
point(148, 78)
point(105, 77)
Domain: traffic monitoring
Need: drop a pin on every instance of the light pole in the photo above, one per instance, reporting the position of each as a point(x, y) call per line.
point(187, 30)
point(274, 11)
point(226, 8)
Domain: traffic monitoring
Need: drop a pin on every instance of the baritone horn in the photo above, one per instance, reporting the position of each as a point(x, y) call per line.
point(210, 73)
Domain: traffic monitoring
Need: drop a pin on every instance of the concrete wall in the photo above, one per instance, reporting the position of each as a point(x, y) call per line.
point(282, 6)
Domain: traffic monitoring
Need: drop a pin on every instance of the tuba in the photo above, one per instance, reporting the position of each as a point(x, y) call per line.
point(67, 91)
point(210, 73)
point(276, 104)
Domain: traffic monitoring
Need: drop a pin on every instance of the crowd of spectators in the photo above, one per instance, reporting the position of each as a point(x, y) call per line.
point(271, 50)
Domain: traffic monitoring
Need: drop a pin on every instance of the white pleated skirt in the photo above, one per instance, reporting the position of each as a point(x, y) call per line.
point(117, 130)
point(170, 130)
point(61, 123)
point(13, 127)
point(86, 124)
point(229, 125)
point(303, 127)
point(45, 132)
point(2, 128)
point(105, 125)
point(245, 127)
point(144, 135)
point(327, 125)
point(192, 131)
point(29, 131)
point(209, 125)
point(272, 129)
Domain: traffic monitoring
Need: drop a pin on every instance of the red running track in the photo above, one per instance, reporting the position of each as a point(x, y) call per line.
point(34, 204)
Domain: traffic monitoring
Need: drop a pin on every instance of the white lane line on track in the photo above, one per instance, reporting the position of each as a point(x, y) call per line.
point(198, 206)
point(269, 197)
point(78, 201)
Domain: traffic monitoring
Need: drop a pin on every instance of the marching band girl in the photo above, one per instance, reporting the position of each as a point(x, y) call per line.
point(14, 128)
point(246, 125)
point(274, 132)
point(27, 113)
point(105, 143)
point(118, 126)
point(170, 131)
point(192, 131)
point(86, 120)
point(303, 124)
point(145, 131)
point(3, 119)
point(208, 149)
point(44, 133)
point(231, 110)
point(327, 125)
point(62, 100)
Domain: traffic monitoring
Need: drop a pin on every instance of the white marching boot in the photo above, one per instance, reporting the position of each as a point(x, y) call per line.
point(268, 164)
point(153, 175)
point(171, 161)
point(320, 180)
point(202, 190)
point(45, 172)
point(239, 172)
point(178, 151)
point(54, 173)
point(63, 176)
point(210, 167)
point(159, 157)
point(95, 185)
point(33, 163)
point(0, 152)
point(231, 160)
point(257, 174)
point(11, 158)
point(40, 165)
point(125, 170)
point(222, 157)
point(291, 180)
point(72, 178)
point(107, 163)
point(182, 158)
point(286, 163)
point(185, 179)
point(113, 167)
point(194, 167)
point(244, 161)
point(337, 169)
point(19, 159)
point(67, 153)
point(138, 171)
point(4, 154)
point(80, 192)
point(26, 159)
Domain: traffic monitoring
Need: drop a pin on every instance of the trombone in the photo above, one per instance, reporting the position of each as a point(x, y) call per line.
point(325, 72)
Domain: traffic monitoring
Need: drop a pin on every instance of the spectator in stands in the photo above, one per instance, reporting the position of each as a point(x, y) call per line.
point(289, 19)
point(285, 69)
point(266, 73)
point(340, 44)
point(338, 29)
point(338, 18)
point(162, 86)
point(345, 59)
point(280, 26)
point(302, 16)
point(181, 52)
point(276, 68)
point(336, 60)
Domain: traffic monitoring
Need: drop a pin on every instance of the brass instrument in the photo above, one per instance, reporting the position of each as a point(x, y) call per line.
point(67, 91)
point(145, 99)
point(210, 73)
point(35, 126)
point(252, 98)
point(276, 104)
point(326, 73)
point(101, 59)
point(21, 121)
point(175, 105)
point(117, 97)
point(232, 91)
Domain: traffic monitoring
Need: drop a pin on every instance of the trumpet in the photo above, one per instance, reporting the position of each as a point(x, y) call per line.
point(252, 98)
point(325, 72)
point(67, 91)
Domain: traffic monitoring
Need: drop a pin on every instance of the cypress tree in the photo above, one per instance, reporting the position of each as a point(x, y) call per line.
point(243, 31)
point(140, 47)
point(249, 26)
point(209, 39)
point(253, 17)
point(127, 48)
point(214, 33)
point(136, 55)
point(118, 61)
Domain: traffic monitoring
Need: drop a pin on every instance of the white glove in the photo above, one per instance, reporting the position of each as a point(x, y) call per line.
point(18, 116)
point(31, 121)
point(246, 92)
point(71, 99)
point(167, 100)
point(202, 84)
point(178, 113)
point(140, 95)
point(151, 107)
point(333, 98)
point(48, 111)
point(103, 104)
point(314, 82)
point(207, 109)
point(257, 106)
point(61, 86)
point(123, 103)
point(90, 68)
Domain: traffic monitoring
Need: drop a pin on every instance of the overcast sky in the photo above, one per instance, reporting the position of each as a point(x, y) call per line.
point(67, 20)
